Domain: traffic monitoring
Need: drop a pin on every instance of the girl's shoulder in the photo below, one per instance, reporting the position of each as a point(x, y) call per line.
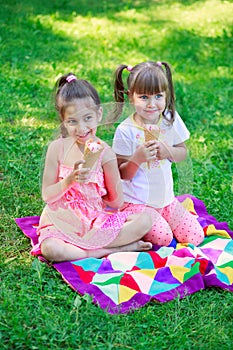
point(127, 127)
point(178, 128)
point(54, 145)
point(57, 147)
point(166, 120)
point(127, 122)
point(52, 152)
point(61, 142)
point(108, 153)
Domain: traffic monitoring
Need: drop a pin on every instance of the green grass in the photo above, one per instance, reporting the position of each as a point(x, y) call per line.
point(39, 41)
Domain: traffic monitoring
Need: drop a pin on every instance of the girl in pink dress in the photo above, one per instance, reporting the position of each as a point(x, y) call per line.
point(75, 222)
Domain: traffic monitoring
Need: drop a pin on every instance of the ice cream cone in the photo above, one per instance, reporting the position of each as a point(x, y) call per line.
point(151, 134)
point(92, 153)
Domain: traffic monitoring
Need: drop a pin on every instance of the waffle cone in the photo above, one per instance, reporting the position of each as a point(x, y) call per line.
point(150, 135)
point(90, 157)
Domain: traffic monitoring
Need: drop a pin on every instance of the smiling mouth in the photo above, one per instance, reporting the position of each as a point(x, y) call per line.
point(84, 135)
point(151, 111)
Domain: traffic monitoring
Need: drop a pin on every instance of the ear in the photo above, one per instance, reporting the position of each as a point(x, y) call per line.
point(99, 114)
point(63, 128)
point(64, 125)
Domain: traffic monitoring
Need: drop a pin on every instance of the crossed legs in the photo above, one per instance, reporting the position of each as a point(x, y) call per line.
point(129, 239)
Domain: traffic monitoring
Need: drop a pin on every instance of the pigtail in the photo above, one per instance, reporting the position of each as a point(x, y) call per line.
point(57, 88)
point(63, 80)
point(119, 91)
point(171, 93)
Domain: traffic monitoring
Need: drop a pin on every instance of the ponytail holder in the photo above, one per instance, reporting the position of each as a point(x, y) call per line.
point(129, 68)
point(71, 78)
point(159, 64)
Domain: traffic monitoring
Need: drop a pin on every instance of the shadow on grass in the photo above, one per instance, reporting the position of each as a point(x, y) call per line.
point(33, 54)
point(67, 9)
point(204, 62)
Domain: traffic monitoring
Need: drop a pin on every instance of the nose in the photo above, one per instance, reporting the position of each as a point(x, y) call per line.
point(80, 127)
point(151, 102)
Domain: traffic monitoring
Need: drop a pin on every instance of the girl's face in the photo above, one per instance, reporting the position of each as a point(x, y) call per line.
point(81, 119)
point(149, 107)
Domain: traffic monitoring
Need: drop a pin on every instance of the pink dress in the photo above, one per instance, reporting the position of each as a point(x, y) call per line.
point(80, 216)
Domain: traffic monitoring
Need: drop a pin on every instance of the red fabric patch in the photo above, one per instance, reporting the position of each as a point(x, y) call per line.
point(86, 276)
point(203, 264)
point(129, 282)
point(157, 260)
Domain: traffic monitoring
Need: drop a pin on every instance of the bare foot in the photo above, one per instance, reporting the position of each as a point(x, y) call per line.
point(144, 245)
point(138, 246)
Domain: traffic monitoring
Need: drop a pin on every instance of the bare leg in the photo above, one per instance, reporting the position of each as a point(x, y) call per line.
point(54, 249)
point(136, 227)
point(129, 239)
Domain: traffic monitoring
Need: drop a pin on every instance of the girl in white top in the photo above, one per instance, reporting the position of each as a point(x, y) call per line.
point(145, 163)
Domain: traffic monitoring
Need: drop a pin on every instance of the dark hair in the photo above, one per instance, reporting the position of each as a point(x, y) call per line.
point(69, 88)
point(145, 78)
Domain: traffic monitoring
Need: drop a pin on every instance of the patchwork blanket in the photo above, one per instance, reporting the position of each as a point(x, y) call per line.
point(122, 282)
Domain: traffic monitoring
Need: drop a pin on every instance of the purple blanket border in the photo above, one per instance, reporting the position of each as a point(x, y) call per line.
point(194, 284)
point(205, 218)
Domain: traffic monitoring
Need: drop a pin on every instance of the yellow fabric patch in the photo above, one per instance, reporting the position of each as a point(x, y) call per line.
point(181, 245)
point(211, 230)
point(178, 272)
point(148, 272)
point(125, 293)
point(228, 271)
point(188, 204)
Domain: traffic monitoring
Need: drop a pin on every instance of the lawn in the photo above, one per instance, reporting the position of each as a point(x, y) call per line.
point(41, 40)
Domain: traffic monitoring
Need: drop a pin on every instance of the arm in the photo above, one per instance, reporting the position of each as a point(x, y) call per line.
point(175, 153)
point(130, 155)
point(114, 197)
point(128, 166)
point(178, 151)
point(52, 188)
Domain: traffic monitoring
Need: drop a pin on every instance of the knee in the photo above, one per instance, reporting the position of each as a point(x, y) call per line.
point(161, 237)
point(194, 236)
point(141, 224)
point(197, 238)
point(51, 250)
point(145, 221)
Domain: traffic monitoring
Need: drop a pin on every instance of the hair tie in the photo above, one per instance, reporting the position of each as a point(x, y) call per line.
point(129, 68)
point(159, 64)
point(71, 78)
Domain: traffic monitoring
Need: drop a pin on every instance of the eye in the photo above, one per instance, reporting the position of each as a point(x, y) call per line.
point(88, 118)
point(143, 97)
point(72, 122)
point(158, 96)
